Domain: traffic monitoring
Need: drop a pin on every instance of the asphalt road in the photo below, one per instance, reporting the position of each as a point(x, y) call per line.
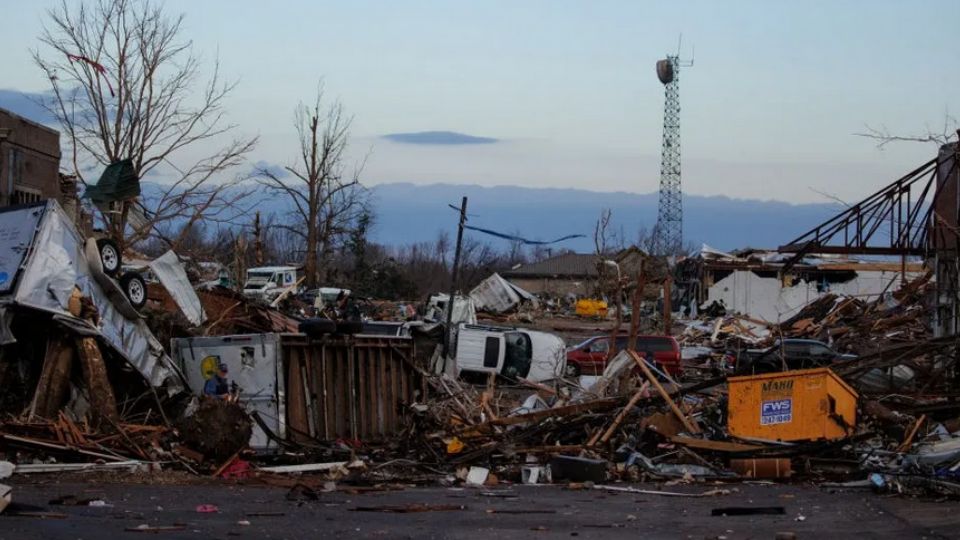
point(498, 513)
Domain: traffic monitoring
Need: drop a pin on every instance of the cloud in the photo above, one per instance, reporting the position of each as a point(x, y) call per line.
point(271, 168)
point(27, 105)
point(438, 138)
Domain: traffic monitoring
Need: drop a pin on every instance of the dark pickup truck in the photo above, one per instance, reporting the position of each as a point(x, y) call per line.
point(794, 353)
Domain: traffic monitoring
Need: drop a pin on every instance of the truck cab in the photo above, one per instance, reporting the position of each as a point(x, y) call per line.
point(267, 282)
point(514, 353)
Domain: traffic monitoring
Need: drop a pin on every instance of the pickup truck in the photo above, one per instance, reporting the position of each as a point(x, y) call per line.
point(795, 353)
point(590, 356)
point(513, 353)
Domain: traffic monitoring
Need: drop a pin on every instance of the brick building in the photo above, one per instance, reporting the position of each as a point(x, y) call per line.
point(29, 161)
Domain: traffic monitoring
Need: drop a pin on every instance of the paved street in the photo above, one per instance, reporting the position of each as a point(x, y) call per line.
point(501, 513)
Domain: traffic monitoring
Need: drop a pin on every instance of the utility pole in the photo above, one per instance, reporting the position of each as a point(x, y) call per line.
point(455, 274)
point(257, 240)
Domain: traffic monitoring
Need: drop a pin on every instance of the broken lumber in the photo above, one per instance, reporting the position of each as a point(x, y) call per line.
point(691, 427)
point(619, 418)
point(716, 446)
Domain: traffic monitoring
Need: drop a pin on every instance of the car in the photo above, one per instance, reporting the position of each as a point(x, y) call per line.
point(790, 354)
point(590, 356)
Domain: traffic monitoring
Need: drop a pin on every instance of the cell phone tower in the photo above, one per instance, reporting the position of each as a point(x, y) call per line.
point(668, 234)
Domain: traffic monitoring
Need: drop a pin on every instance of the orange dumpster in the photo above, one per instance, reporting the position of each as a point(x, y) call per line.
point(800, 405)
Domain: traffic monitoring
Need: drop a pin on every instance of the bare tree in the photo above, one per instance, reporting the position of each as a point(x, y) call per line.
point(950, 131)
point(326, 199)
point(125, 84)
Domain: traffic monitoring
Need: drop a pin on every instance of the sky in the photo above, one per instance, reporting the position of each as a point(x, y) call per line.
point(564, 93)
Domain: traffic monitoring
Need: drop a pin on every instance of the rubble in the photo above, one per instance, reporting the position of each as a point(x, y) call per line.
point(348, 411)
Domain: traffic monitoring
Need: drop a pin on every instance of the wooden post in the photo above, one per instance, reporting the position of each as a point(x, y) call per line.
point(635, 303)
point(102, 400)
point(690, 426)
point(615, 333)
point(667, 307)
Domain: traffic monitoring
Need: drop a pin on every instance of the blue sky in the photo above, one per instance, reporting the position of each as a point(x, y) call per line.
point(568, 89)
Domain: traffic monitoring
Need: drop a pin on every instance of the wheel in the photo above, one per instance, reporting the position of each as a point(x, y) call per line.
point(572, 371)
point(349, 327)
point(317, 327)
point(109, 256)
point(135, 288)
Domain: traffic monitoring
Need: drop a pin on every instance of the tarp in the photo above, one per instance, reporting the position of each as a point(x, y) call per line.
point(497, 295)
point(174, 278)
point(48, 265)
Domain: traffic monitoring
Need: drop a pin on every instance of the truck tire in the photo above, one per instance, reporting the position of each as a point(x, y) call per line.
point(317, 327)
point(349, 327)
point(135, 289)
point(571, 371)
point(110, 257)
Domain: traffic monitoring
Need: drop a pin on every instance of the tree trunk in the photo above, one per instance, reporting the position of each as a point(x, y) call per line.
point(310, 262)
point(54, 383)
point(102, 400)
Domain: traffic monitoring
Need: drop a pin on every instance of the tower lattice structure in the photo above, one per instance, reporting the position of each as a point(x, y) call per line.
point(668, 235)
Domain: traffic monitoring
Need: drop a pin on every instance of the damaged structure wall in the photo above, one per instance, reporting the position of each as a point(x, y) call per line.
point(769, 299)
point(29, 161)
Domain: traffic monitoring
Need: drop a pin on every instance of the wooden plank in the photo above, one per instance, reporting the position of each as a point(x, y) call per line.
point(620, 417)
point(364, 392)
point(328, 405)
point(313, 387)
point(384, 393)
point(343, 393)
point(372, 389)
point(690, 426)
point(905, 445)
point(296, 406)
point(396, 367)
point(307, 399)
point(716, 446)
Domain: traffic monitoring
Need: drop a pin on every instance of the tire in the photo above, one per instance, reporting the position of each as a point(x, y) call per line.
point(110, 257)
point(571, 371)
point(135, 289)
point(349, 327)
point(317, 327)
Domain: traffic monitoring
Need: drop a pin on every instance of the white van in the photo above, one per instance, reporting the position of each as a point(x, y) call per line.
point(515, 353)
point(267, 282)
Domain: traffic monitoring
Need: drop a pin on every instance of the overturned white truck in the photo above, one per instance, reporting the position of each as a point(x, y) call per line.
point(42, 258)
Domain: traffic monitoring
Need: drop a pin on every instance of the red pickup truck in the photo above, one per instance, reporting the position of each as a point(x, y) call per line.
point(590, 356)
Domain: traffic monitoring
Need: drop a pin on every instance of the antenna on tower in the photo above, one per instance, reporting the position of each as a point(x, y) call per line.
point(668, 234)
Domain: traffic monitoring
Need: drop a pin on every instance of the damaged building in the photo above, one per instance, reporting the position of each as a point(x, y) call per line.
point(569, 273)
point(753, 283)
point(29, 161)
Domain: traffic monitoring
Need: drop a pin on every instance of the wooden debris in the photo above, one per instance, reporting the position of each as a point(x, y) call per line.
point(691, 427)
